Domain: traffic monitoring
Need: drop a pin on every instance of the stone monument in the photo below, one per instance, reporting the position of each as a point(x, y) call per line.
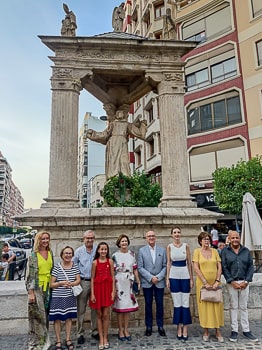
point(118, 69)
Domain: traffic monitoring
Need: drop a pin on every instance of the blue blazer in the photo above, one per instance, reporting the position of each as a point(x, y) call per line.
point(148, 269)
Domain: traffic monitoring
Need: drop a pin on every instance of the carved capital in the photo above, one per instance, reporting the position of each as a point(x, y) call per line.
point(66, 84)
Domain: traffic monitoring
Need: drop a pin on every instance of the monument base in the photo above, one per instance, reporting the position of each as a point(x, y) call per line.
point(67, 225)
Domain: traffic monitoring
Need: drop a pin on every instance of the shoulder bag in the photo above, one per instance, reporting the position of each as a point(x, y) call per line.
point(75, 289)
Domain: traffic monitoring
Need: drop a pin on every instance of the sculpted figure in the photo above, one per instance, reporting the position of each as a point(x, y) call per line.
point(169, 29)
point(115, 137)
point(118, 17)
point(69, 23)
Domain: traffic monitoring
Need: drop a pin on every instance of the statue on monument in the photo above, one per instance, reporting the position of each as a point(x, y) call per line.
point(69, 23)
point(115, 137)
point(118, 17)
point(169, 28)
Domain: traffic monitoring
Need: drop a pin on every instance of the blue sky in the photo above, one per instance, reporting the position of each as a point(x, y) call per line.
point(25, 98)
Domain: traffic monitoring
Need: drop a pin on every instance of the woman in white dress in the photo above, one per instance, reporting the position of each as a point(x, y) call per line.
point(125, 274)
point(179, 280)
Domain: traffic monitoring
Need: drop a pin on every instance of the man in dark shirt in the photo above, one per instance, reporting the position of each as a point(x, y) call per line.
point(237, 265)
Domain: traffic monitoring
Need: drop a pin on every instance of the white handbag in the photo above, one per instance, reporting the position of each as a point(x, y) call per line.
point(75, 289)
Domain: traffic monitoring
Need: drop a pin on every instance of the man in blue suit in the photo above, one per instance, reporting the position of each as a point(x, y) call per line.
point(152, 268)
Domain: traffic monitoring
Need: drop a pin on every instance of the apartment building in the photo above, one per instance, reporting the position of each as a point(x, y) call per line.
point(223, 84)
point(11, 200)
point(91, 157)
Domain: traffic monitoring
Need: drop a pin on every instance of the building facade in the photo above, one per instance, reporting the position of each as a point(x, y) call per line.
point(223, 84)
point(91, 157)
point(11, 200)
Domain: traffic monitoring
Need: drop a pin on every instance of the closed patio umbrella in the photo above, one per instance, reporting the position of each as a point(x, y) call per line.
point(251, 235)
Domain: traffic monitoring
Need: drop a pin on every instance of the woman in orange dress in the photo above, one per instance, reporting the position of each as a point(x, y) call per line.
point(102, 291)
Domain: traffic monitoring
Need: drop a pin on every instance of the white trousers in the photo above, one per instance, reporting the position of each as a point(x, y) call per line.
point(238, 299)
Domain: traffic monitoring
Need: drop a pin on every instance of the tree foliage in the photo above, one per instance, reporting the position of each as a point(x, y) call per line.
point(230, 184)
point(134, 191)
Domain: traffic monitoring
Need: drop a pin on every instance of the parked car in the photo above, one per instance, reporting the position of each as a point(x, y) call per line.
point(26, 243)
point(15, 246)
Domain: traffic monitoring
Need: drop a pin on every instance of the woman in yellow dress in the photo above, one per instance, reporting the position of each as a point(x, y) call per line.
point(38, 276)
point(207, 266)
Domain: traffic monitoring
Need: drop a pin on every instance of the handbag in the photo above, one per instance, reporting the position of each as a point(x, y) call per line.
point(75, 289)
point(211, 295)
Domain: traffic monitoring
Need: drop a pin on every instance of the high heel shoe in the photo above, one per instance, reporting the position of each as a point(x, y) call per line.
point(179, 337)
point(121, 338)
point(220, 339)
point(205, 338)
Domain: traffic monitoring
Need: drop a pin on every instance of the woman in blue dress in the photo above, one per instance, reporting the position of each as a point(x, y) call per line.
point(180, 280)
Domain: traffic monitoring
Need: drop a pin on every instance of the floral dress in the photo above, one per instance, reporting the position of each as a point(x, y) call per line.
point(124, 264)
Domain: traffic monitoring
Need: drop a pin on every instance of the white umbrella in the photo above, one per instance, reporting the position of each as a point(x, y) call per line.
point(251, 235)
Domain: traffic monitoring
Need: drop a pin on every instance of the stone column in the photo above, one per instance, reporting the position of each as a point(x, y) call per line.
point(175, 179)
point(64, 141)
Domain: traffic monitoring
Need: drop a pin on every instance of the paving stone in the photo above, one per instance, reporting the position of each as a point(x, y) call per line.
point(140, 341)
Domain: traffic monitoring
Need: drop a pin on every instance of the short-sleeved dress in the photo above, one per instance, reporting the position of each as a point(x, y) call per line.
point(103, 285)
point(211, 315)
point(63, 301)
point(179, 280)
point(124, 264)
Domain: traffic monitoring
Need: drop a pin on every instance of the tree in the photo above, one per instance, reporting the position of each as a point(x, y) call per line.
point(230, 184)
point(134, 191)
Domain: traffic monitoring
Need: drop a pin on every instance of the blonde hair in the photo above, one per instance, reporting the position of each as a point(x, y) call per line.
point(38, 238)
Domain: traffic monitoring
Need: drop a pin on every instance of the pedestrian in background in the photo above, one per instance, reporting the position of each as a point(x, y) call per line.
point(215, 237)
point(4, 267)
point(102, 291)
point(83, 257)
point(152, 268)
point(179, 281)
point(11, 261)
point(126, 273)
point(38, 274)
point(238, 269)
point(207, 266)
point(65, 275)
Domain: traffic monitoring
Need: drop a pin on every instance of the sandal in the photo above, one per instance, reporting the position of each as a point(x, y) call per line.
point(69, 346)
point(58, 347)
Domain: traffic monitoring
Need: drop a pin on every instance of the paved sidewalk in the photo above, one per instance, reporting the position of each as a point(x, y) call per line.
point(139, 341)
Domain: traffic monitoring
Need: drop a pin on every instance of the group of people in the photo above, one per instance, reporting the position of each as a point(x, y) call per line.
point(109, 283)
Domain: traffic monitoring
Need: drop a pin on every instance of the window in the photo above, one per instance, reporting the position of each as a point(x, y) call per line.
point(217, 114)
point(197, 80)
point(199, 37)
point(256, 7)
point(159, 10)
point(138, 157)
point(212, 73)
point(259, 52)
point(151, 147)
point(150, 114)
point(208, 27)
point(223, 70)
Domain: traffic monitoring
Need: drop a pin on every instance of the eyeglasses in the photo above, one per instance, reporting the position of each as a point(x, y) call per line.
point(89, 238)
point(68, 253)
point(150, 236)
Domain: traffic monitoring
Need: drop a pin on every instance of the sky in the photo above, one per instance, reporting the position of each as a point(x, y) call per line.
point(25, 94)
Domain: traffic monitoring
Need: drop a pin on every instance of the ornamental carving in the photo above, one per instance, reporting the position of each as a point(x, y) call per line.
point(173, 76)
